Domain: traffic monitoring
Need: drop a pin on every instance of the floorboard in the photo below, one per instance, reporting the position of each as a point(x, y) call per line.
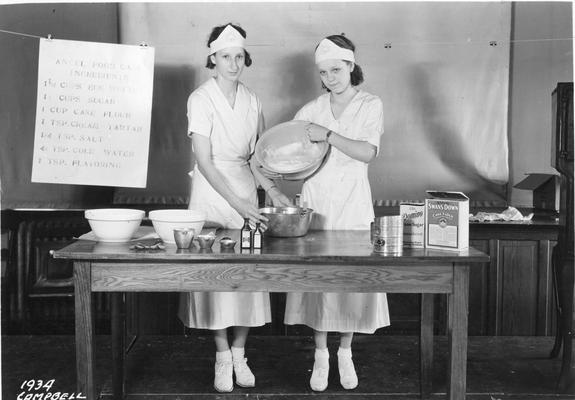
point(181, 368)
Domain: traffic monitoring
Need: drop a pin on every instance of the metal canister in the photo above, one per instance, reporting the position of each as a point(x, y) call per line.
point(388, 234)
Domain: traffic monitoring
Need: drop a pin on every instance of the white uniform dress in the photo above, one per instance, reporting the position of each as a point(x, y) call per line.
point(232, 133)
point(340, 196)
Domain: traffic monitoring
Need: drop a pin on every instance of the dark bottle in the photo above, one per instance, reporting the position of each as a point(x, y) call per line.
point(257, 237)
point(297, 200)
point(246, 235)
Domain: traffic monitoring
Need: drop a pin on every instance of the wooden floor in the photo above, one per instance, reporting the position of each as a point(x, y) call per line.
point(181, 368)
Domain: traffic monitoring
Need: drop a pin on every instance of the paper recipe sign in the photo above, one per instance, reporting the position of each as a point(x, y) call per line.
point(93, 113)
point(447, 220)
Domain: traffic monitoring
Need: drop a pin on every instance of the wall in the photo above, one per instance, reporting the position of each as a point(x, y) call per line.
point(437, 80)
point(534, 70)
point(18, 81)
point(536, 67)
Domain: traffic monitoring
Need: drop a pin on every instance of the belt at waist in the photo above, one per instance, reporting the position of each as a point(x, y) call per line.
point(341, 173)
point(226, 164)
point(226, 167)
point(230, 163)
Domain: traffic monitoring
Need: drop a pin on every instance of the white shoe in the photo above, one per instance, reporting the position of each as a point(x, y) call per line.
point(223, 380)
point(319, 375)
point(244, 376)
point(347, 375)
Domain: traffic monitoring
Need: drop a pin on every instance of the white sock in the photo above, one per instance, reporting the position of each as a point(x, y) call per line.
point(347, 374)
point(238, 353)
point(344, 352)
point(321, 357)
point(222, 356)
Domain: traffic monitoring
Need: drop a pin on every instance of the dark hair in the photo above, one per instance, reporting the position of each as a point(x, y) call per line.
point(342, 41)
point(214, 35)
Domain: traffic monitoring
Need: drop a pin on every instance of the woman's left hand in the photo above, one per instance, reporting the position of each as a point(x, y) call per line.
point(316, 133)
point(278, 198)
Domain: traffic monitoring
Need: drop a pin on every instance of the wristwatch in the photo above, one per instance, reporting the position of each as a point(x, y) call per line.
point(327, 135)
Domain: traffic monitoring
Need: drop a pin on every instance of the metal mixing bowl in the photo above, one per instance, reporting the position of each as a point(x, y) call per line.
point(206, 241)
point(285, 149)
point(287, 221)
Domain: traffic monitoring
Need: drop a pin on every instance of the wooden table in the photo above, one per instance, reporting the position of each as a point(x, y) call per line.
point(321, 261)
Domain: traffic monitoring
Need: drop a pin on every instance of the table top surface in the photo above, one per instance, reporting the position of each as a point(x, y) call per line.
point(316, 246)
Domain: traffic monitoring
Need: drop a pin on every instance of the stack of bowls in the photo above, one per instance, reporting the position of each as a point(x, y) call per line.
point(286, 152)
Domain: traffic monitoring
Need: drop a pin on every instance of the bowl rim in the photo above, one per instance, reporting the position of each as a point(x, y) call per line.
point(292, 170)
point(293, 124)
point(299, 211)
point(298, 176)
point(177, 215)
point(114, 214)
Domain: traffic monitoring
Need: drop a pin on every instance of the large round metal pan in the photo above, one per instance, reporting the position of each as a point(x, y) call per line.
point(286, 148)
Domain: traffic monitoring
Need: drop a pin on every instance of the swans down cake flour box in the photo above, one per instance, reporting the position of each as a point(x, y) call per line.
point(446, 220)
point(413, 225)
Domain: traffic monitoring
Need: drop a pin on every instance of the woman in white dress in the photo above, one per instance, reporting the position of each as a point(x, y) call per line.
point(351, 121)
point(224, 120)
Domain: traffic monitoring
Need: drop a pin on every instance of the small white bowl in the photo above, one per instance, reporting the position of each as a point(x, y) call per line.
point(114, 224)
point(165, 221)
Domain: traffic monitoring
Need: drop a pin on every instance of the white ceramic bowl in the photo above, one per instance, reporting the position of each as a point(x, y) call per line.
point(114, 224)
point(286, 149)
point(295, 176)
point(165, 221)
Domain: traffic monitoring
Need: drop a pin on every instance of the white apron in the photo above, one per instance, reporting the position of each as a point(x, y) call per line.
point(232, 134)
point(340, 196)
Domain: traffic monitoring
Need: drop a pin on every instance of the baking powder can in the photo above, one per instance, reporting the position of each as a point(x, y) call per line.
point(388, 234)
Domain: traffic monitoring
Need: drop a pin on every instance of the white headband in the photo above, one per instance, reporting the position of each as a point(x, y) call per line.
point(229, 37)
point(328, 50)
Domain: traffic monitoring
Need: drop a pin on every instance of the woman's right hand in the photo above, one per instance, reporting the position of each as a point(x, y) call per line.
point(247, 210)
point(316, 133)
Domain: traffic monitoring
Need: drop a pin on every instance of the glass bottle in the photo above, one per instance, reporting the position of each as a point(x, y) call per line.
point(257, 237)
point(297, 200)
point(246, 235)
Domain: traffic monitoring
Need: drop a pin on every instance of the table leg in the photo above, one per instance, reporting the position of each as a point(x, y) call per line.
point(426, 345)
point(566, 382)
point(84, 329)
point(118, 317)
point(457, 332)
point(557, 294)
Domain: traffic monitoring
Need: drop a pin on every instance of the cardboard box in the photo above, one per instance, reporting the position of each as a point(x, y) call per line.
point(447, 220)
point(413, 215)
point(546, 190)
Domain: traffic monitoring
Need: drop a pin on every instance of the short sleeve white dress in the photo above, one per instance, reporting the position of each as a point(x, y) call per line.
point(232, 133)
point(340, 196)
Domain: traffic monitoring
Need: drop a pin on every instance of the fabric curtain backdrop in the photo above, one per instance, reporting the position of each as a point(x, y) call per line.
point(444, 88)
point(441, 69)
